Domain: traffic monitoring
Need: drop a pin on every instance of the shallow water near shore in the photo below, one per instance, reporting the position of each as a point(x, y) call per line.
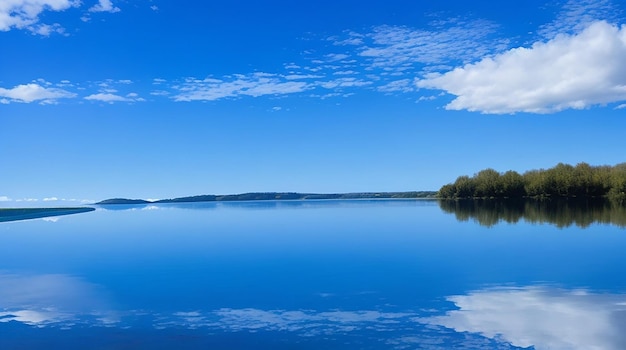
point(350, 274)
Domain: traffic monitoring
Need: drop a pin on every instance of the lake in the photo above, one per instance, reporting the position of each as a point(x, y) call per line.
point(350, 274)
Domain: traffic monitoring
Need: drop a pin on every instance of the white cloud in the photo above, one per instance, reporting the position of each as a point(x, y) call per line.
point(104, 6)
point(622, 106)
point(24, 14)
point(569, 71)
point(111, 98)
point(5, 199)
point(154, 8)
point(257, 84)
point(540, 317)
point(50, 199)
point(34, 92)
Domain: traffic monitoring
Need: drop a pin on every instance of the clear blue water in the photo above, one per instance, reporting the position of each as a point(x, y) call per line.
point(380, 274)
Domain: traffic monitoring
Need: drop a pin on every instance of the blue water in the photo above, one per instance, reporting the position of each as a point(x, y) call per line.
point(379, 274)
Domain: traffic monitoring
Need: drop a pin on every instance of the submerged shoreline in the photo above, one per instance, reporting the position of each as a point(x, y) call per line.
point(15, 214)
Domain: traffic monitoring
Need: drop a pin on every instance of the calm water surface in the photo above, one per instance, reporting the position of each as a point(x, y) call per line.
point(384, 274)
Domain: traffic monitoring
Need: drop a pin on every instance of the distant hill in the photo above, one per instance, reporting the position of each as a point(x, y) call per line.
point(123, 201)
point(260, 196)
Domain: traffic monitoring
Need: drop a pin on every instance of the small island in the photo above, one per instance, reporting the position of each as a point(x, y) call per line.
point(262, 196)
point(561, 181)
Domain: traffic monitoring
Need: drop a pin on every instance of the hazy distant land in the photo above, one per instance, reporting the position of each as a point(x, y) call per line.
point(259, 196)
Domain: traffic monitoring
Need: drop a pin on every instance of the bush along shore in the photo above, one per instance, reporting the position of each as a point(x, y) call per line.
point(561, 181)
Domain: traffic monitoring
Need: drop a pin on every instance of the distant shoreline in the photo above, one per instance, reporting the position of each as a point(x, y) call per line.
point(260, 196)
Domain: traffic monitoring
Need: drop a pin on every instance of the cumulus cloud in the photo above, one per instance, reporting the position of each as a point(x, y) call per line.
point(257, 84)
point(34, 92)
point(540, 317)
point(569, 71)
point(5, 199)
point(24, 14)
point(104, 6)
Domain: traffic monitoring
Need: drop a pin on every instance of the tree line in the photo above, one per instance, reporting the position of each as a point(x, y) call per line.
point(561, 181)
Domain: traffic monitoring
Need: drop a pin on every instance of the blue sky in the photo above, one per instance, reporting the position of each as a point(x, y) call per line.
point(154, 99)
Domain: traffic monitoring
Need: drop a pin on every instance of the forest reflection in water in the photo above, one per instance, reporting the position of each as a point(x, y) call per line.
point(559, 212)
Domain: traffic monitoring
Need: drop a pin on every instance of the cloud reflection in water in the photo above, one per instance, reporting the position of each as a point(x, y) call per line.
point(543, 317)
point(497, 318)
point(41, 300)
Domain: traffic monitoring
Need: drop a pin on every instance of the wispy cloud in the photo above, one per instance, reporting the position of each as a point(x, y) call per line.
point(111, 98)
point(349, 38)
point(344, 83)
point(452, 40)
point(570, 71)
point(403, 85)
point(575, 64)
point(576, 15)
point(32, 92)
point(256, 84)
point(302, 76)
